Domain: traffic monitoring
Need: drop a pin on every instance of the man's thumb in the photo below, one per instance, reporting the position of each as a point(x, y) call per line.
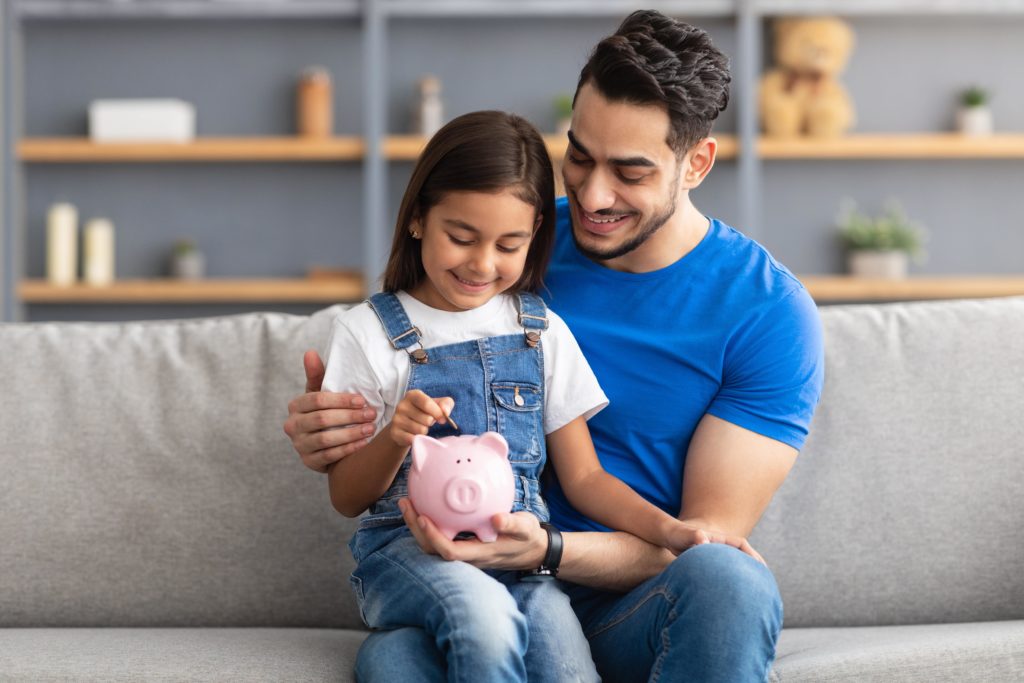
point(314, 370)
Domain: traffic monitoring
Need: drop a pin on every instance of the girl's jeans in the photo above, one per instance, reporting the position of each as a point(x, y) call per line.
point(489, 625)
point(713, 615)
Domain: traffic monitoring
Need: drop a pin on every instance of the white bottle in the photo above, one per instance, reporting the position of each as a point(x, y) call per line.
point(62, 244)
point(430, 113)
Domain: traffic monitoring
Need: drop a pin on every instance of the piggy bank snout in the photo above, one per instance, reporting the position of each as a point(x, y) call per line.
point(464, 494)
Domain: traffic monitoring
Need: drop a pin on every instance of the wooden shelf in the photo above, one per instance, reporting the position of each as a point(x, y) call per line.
point(896, 146)
point(165, 291)
point(396, 148)
point(835, 288)
point(83, 150)
point(409, 147)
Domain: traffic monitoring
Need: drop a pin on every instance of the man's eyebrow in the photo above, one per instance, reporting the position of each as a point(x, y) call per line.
point(627, 161)
point(456, 223)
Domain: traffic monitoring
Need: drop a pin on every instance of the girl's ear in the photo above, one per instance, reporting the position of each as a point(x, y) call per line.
point(416, 228)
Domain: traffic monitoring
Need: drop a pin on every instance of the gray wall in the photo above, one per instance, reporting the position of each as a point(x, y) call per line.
point(279, 219)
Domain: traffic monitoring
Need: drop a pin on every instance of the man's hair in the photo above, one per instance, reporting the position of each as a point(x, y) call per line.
point(653, 59)
point(483, 151)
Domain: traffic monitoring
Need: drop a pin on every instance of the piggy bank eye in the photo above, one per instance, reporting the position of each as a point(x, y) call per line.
point(457, 462)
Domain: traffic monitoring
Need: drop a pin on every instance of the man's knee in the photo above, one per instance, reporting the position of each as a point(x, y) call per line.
point(726, 579)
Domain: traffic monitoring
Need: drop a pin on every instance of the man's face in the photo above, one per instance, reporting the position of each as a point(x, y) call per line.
point(621, 176)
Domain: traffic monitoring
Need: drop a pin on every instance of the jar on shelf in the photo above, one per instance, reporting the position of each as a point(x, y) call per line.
point(314, 103)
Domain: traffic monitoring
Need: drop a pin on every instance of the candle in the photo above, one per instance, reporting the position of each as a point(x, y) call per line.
point(98, 268)
point(61, 244)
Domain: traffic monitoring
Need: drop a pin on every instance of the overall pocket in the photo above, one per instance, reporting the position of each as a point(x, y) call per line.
point(520, 419)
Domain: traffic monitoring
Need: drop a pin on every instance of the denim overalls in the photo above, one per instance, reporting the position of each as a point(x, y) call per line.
point(482, 621)
point(498, 386)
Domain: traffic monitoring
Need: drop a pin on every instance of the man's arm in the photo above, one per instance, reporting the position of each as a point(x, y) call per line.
point(730, 476)
point(613, 561)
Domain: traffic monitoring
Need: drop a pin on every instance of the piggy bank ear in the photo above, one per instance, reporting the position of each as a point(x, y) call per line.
point(494, 441)
point(422, 446)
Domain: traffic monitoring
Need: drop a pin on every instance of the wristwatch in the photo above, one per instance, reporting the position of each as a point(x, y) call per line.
point(552, 558)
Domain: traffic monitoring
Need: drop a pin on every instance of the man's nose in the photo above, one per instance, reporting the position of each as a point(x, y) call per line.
point(595, 193)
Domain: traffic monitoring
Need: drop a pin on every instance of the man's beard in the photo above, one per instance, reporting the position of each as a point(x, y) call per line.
point(646, 231)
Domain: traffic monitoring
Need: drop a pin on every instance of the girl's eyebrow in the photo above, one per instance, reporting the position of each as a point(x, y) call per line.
point(462, 225)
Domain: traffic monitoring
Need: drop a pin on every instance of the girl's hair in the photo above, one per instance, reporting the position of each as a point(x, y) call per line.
point(484, 151)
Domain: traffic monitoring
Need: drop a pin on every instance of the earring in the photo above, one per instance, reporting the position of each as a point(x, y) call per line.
point(415, 234)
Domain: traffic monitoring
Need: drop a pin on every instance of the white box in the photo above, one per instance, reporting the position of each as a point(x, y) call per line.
point(163, 120)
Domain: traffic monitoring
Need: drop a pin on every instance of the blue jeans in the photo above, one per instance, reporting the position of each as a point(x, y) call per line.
point(714, 614)
point(485, 625)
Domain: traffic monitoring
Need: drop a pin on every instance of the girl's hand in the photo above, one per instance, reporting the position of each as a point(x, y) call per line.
point(416, 414)
point(680, 536)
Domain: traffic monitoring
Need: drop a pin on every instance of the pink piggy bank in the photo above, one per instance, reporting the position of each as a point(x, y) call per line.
point(459, 482)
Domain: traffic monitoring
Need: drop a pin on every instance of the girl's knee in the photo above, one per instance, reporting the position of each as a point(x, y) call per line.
point(487, 622)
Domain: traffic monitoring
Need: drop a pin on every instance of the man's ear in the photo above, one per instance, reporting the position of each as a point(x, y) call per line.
point(698, 162)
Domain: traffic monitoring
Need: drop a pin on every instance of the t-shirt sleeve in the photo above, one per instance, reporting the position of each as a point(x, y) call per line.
point(571, 389)
point(349, 369)
point(774, 371)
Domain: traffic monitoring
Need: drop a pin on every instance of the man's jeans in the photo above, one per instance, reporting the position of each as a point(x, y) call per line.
point(713, 615)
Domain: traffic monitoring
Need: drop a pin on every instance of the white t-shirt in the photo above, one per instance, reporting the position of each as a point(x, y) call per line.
point(360, 358)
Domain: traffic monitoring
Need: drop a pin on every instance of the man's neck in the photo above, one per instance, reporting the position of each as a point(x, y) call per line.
point(673, 241)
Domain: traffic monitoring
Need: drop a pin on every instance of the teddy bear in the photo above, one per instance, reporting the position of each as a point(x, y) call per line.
point(802, 95)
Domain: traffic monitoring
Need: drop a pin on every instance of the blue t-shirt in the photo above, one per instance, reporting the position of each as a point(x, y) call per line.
point(725, 330)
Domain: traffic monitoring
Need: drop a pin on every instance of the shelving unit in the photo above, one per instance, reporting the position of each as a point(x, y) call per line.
point(374, 149)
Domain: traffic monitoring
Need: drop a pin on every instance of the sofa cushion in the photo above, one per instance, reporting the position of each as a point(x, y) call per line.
point(905, 505)
point(179, 654)
point(984, 652)
point(147, 480)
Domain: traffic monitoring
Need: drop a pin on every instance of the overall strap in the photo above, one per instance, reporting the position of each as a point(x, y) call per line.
point(533, 316)
point(400, 331)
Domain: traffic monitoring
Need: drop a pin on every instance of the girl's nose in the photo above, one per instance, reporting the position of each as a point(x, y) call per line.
point(482, 262)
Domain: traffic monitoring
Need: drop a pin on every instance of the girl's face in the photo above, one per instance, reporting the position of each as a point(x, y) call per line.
point(474, 247)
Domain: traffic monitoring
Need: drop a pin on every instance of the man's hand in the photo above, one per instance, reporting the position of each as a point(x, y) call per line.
point(314, 416)
point(681, 536)
point(521, 542)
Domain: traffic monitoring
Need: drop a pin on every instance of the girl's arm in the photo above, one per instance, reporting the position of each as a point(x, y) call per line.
point(604, 498)
point(360, 479)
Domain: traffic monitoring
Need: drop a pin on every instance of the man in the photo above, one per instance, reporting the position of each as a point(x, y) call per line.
point(709, 351)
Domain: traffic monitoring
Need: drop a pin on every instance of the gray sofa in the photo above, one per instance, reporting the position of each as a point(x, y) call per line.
point(156, 525)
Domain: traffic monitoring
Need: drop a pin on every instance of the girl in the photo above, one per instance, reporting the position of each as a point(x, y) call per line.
point(459, 330)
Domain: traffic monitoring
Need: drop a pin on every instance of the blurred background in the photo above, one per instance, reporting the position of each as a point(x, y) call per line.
point(180, 158)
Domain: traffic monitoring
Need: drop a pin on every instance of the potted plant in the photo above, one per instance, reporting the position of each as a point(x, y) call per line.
point(187, 262)
point(880, 247)
point(974, 117)
point(563, 114)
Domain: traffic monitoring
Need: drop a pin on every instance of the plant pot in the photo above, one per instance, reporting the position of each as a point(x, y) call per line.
point(974, 121)
point(889, 264)
point(188, 266)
